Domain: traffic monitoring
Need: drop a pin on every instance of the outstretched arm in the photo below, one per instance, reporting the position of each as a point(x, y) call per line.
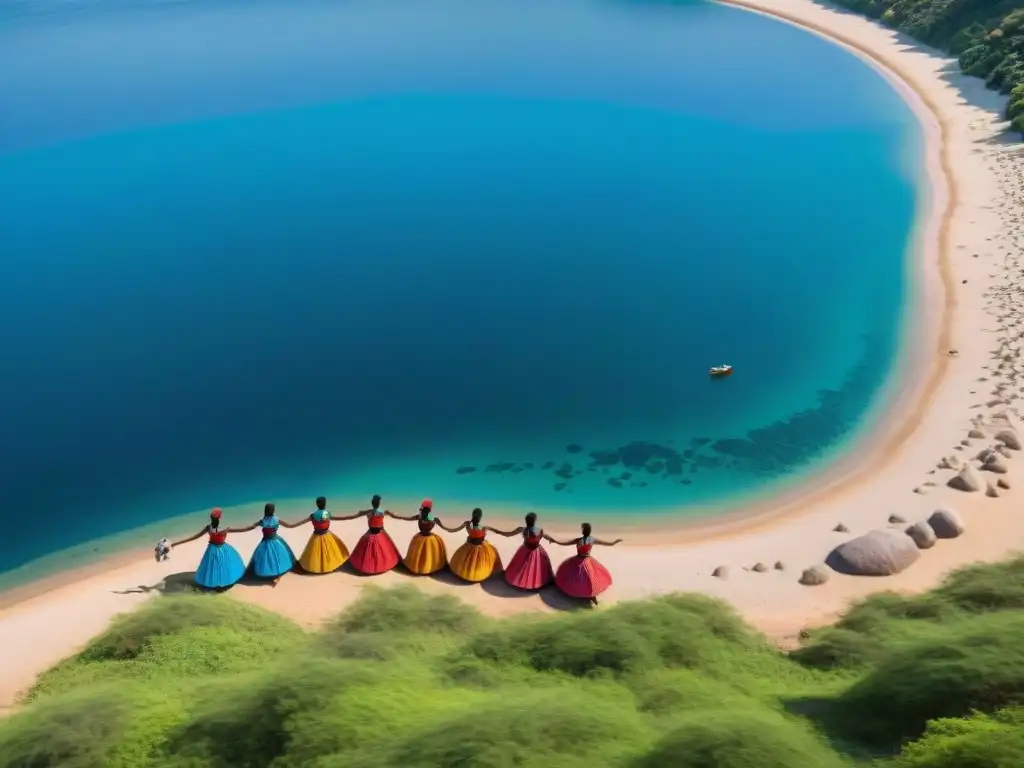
point(243, 530)
point(504, 533)
point(453, 530)
point(296, 524)
point(190, 538)
point(568, 543)
point(607, 543)
point(363, 513)
point(409, 519)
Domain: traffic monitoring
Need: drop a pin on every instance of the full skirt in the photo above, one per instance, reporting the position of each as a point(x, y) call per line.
point(426, 555)
point(375, 553)
point(272, 558)
point(220, 567)
point(475, 562)
point(582, 577)
point(529, 568)
point(324, 553)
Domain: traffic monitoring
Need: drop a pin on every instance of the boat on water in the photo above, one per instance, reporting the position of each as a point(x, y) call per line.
point(718, 371)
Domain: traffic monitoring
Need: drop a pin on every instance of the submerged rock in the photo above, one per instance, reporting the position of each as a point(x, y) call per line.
point(877, 553)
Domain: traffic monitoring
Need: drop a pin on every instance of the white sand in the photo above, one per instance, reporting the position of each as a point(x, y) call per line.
point(976, 169)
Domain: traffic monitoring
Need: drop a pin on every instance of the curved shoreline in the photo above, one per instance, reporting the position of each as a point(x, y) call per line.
point(951, 409)
point(912, 378)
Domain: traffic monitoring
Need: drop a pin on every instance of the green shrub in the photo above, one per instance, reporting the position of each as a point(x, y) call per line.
point(981, 741)
point(74, 731)
point(739, 739)
point(384, 624)
point(130, 634)
point(675, 631)
point(569, 725)
point(977, 665)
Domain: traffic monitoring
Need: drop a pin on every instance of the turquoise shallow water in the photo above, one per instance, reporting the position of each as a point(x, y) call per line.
point(472, 250)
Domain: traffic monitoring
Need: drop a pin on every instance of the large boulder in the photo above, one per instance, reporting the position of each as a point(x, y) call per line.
point(878, 553)
point(967, 479)
point(922, 534)
point(946, 523)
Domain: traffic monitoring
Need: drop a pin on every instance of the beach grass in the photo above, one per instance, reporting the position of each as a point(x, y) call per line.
point(403, 678)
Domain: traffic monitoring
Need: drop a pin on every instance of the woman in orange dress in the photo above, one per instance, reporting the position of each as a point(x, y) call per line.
point(426, 553)
point(582, 576)
point(477, 559)
point(376, 552)
point(530, 566)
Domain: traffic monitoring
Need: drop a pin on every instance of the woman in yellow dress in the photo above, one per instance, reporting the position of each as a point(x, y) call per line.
point(477, 559)
point(426, 553)
point(324, 551)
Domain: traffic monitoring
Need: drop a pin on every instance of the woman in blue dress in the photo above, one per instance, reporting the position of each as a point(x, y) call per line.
point(273, 558)
point(221, 566)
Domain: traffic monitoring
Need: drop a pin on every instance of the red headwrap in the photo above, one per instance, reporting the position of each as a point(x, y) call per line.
point(427, 504)
point(216, 513)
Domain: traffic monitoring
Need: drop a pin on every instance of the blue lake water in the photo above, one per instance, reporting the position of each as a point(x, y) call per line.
point(474, 249)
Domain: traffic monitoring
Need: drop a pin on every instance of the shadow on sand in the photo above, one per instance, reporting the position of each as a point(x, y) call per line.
point(176, 583)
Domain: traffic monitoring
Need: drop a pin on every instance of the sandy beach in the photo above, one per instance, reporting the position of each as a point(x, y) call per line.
point(944, 410)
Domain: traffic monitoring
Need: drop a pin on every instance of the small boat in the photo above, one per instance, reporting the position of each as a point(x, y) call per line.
point(718, 371)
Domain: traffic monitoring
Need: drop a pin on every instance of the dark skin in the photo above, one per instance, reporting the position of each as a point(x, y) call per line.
point(306, 519)
point(466, 526)
point(206, 529)
point(572, 542)
point(413, 518)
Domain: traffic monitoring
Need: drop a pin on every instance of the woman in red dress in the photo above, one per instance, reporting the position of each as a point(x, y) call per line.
point(582, 576)
point(530, 566)
point(376, 552)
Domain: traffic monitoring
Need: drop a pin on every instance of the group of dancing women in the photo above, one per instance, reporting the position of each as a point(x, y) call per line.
point(580, 576)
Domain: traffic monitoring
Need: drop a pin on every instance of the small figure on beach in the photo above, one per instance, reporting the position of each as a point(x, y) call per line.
point(272, 557)
point(162, 550)
point(221, 566)
point(376, 551)
point(582, 576)
point(530, 566)
point(324, 551)
point(477, 559)
point(427, 553)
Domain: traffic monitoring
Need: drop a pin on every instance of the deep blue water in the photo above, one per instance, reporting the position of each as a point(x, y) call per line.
point(476, 249)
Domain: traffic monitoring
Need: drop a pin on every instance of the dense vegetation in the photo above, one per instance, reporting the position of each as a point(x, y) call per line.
point(403, 679)
point(987, 35)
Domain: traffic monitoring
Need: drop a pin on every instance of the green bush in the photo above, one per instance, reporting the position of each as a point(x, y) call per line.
point(739, 739)
point(73, 731)
point(204, 682)
point(987, 35)
point(977, 665)
point(385, 624)
point(674, 631)
point(176, 637)
point(981, 741)
point(131, 634)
